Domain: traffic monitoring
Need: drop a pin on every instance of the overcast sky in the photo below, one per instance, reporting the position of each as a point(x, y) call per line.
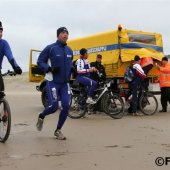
point(33, 23)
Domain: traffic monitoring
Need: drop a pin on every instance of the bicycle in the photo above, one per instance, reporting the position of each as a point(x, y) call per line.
point(111, 103)
point(5, 113)
point(147, 102)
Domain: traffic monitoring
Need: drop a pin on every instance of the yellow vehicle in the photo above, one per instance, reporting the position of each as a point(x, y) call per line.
point(118, 48)
point(35, 74)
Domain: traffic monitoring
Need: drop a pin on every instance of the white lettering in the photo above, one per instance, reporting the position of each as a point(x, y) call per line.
point(92, 50)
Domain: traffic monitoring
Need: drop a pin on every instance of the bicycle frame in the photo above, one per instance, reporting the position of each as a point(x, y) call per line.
point(103, 92)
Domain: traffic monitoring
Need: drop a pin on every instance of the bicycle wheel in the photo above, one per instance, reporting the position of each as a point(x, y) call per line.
point(5, 120)
point(148, 103)
point(78, 108)
point(113, 106)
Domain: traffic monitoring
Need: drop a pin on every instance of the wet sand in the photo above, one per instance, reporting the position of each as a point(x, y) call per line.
point(96, 142)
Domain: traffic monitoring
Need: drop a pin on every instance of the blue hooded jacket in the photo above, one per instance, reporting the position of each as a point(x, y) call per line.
point(57, 55)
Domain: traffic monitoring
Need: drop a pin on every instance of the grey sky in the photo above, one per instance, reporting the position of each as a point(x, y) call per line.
point(33, 23)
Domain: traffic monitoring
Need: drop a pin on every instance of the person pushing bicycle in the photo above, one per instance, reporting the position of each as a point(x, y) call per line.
point(134, 85)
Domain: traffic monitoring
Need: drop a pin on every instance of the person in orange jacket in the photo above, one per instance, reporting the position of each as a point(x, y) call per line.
point(164, 82)
point(146, 64)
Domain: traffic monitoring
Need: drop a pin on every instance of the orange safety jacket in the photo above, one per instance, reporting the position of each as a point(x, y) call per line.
point(146, 61)
point(164, 79)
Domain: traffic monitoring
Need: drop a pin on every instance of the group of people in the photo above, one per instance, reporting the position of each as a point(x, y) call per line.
point(141, 68)
point(56, 62)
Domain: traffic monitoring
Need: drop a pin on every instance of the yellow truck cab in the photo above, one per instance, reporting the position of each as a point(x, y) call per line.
point(117, 47)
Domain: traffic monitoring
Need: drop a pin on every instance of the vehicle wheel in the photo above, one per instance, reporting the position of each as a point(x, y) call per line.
point(44, 97)
point(78, 107)
point(5, 120)
point(114, 106)
point(148, 104)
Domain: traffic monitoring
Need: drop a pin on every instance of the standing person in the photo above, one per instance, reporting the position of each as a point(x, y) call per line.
point(56, 62)
point(146, 64)
point(164, 82)
point(98, 65)
point(5, 50)
point(136, 83)
point(83, 77)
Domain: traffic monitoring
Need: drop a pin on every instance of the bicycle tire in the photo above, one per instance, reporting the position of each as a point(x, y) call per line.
point(5, 120)
point(148, 99)
point(76, 110)
point(103, 102)
point(114, 106)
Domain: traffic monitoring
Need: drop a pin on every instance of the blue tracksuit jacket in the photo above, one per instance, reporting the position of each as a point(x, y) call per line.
point(57, 55)
point(5, 50)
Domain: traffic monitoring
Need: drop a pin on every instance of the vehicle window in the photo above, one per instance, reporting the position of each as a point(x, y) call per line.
point(35, 55)
point(142, 38)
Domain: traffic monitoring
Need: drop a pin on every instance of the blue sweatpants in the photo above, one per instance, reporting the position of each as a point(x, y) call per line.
point(87, 82)
point(54, 90)
point(134, 90)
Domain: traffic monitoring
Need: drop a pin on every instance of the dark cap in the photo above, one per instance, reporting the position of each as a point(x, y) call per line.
point(99, 56)
point(83, 51)
point(61, 29)
point(136, 58)
point(165, 59)
point(1, 28)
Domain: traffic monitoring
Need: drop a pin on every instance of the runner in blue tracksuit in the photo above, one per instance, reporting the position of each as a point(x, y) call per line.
point(83, 77)
point(56, 62)
point(5, 50)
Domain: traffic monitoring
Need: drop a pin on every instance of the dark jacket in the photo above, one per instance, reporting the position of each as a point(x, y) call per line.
point(101, 70)
point(57, 55)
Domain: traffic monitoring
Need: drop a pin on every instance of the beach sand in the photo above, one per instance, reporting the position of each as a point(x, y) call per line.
point(96, 142)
